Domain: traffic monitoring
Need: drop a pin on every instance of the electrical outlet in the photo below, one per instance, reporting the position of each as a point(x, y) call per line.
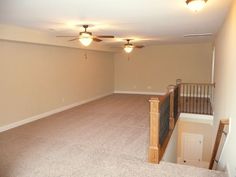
point(63, 100)
point(149, 87)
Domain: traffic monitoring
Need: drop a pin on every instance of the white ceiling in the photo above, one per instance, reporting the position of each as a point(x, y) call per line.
point(154, 21)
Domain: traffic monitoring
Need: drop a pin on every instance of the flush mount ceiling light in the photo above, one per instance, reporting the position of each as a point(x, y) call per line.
point(196, 5)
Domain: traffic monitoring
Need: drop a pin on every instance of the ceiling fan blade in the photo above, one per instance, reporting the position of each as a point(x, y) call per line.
point(139, 46)
point(73, 39)
point(198, 35)
point(96, 39)
point(66, 36)
point(106, 36)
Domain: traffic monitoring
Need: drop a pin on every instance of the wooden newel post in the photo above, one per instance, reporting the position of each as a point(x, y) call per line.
point(178, 84)
point(178, 81)
point(171, 119)
point(154, 149)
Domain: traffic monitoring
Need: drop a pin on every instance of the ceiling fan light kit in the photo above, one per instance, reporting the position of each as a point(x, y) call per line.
point(85, 39)
point(128, 48)
point(196, 5)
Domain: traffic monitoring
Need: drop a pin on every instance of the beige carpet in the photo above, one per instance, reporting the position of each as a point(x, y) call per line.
point(105, 138)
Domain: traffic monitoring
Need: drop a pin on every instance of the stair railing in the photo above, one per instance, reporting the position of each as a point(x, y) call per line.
point(162, 122)
point(164, 112)
point(196, 98)
point(220, 132)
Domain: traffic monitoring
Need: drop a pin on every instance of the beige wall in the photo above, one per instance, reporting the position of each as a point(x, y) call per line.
point(196, 128)
point(225, 92)
point(35, 79)
point(153, 68)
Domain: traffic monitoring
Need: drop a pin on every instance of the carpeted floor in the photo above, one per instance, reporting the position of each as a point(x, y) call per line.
point(104, 138)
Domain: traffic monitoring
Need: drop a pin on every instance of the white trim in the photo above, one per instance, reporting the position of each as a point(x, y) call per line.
point(228, 172)
point(221, 165)
point(226, 139)
point(139, 93)
point(213, 65)
point(200, 118)
point(48, 113)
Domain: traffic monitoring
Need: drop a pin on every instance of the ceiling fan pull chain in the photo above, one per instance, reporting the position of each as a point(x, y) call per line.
point(85, 56)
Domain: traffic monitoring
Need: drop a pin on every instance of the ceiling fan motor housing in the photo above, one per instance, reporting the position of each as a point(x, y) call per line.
point(85, 32)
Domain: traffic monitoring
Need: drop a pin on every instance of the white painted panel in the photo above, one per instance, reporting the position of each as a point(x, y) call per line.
point(192, 147)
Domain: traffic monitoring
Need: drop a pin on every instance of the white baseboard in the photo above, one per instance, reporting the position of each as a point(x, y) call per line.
point(228, 172)
point(139, 93)
point(48, 113)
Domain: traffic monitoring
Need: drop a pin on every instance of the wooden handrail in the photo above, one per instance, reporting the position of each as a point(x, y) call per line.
point(183, 83)
point(171, 89)
point(156, 151)
point(220, 131)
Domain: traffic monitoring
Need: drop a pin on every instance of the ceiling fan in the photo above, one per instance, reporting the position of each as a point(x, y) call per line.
point(86, 37)
point(128, 47)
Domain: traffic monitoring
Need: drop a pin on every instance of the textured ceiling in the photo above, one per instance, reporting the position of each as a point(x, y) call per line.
point(153, 21)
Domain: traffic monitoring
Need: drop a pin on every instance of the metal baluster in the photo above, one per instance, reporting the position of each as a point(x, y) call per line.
point(194, 106)
point(203, 92)
point(208, 99)
point(200, 109)
point(197, 98)
point(193, 96)
point(212, 97)
point(183, 87)
point(193, 99)
point(190, 101)
point(189, 98)
point(204, 100)
point(185, 97)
